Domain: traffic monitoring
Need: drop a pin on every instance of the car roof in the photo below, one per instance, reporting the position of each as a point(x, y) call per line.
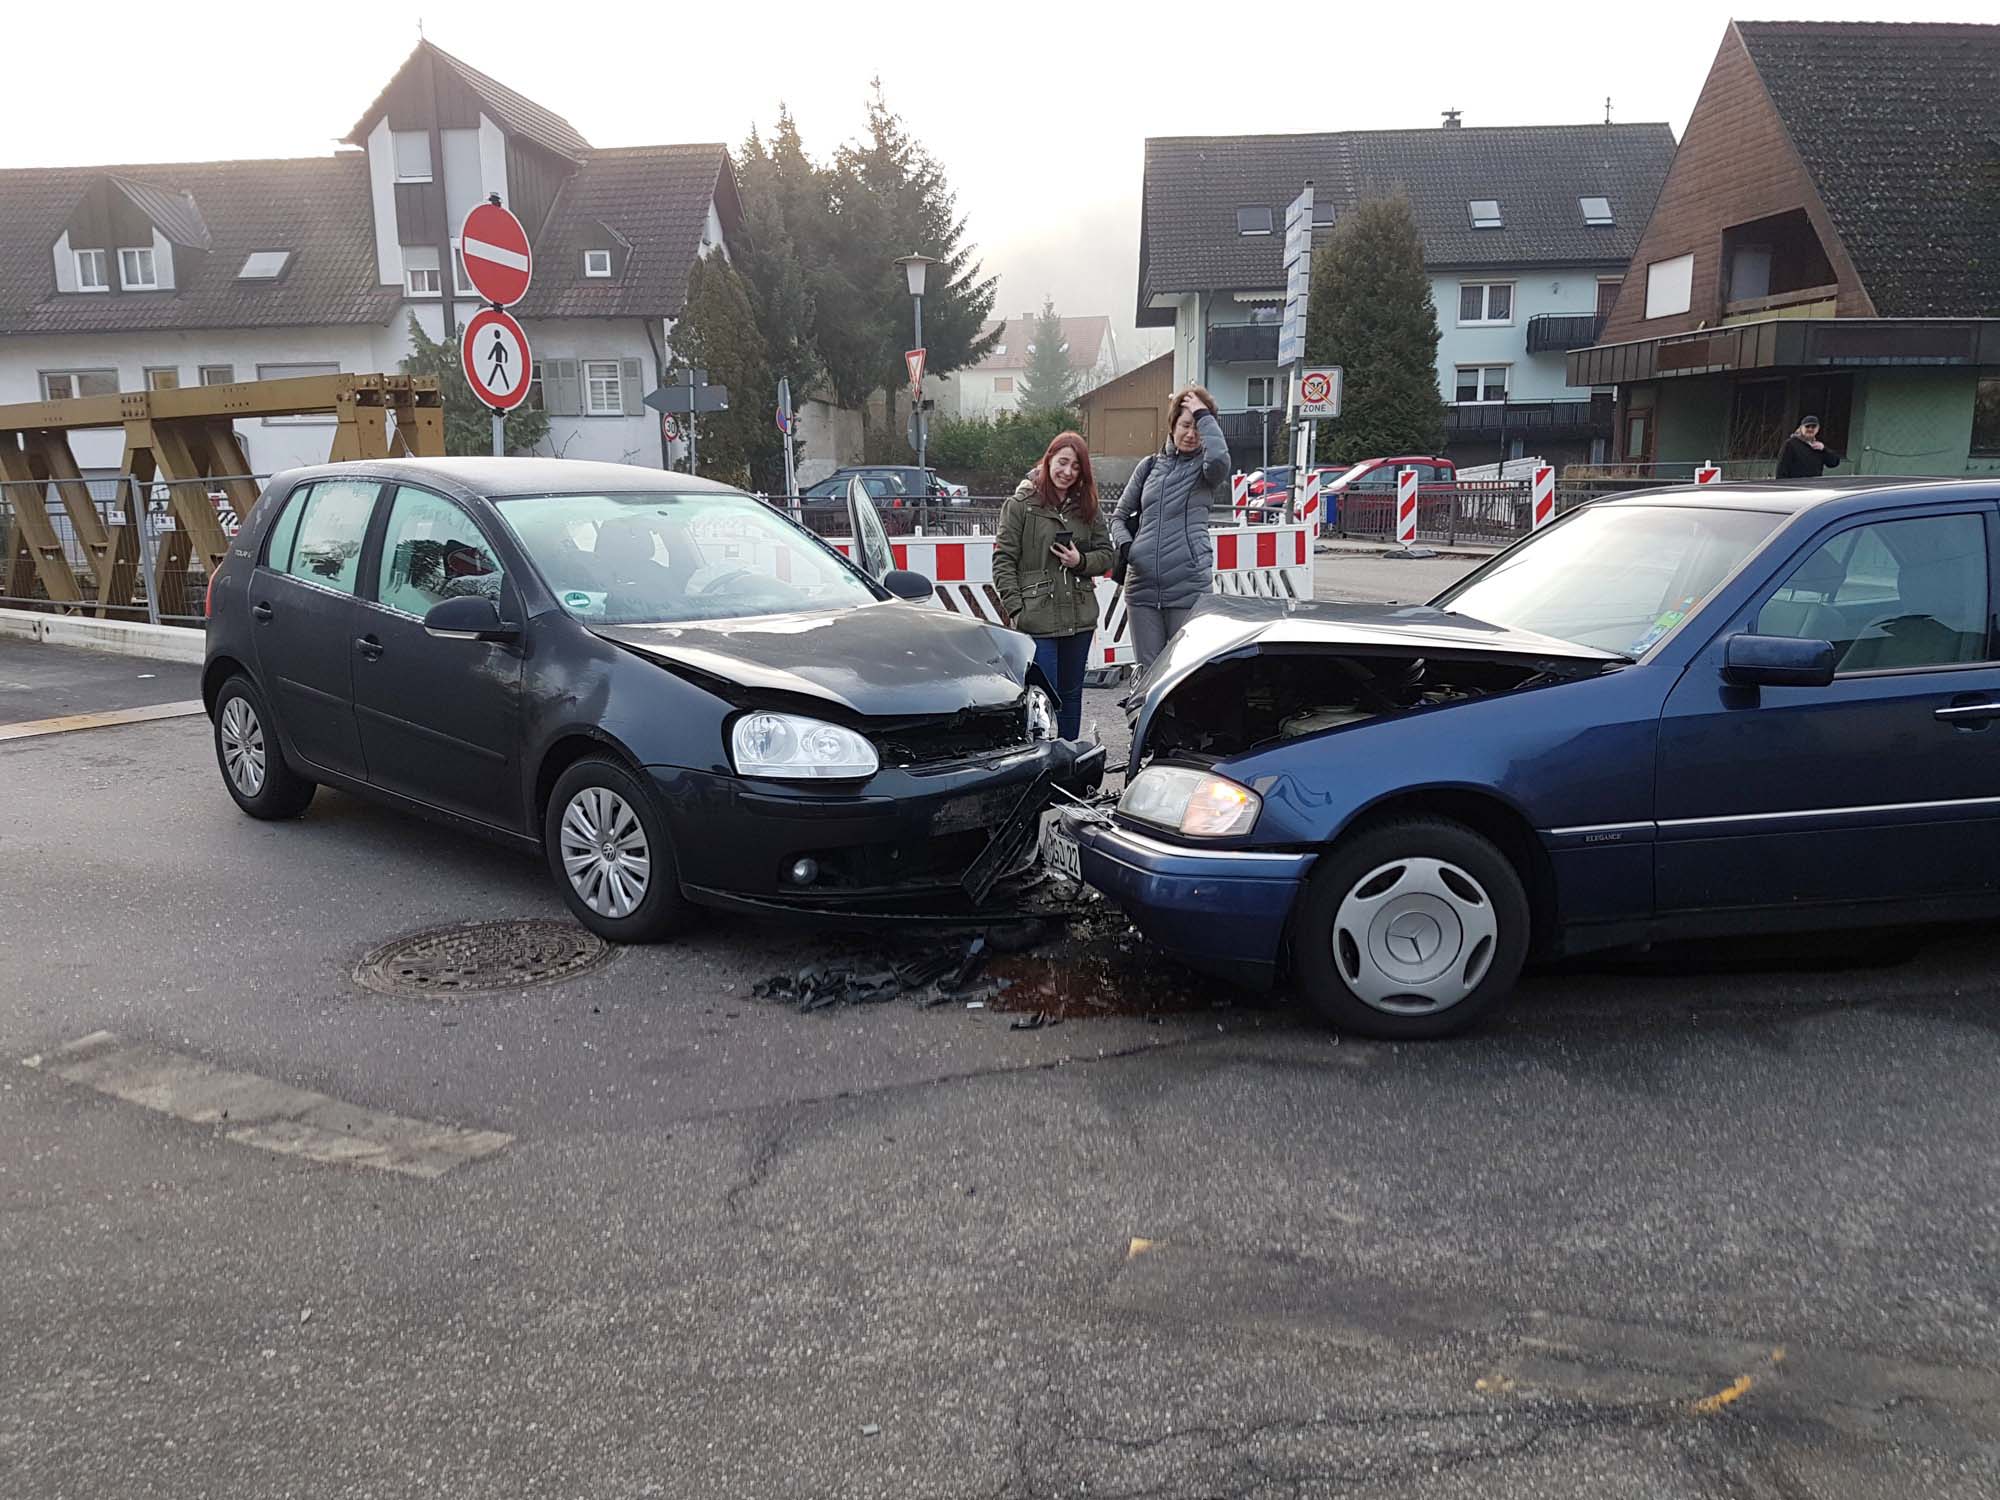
point(522, 476)
point(1795, 496)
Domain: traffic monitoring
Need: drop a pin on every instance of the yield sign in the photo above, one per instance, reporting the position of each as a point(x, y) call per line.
point(915, 360)
point(498, 262)
point(494, 353)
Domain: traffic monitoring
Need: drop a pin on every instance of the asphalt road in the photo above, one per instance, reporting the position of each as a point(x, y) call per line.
point(1655, 1231)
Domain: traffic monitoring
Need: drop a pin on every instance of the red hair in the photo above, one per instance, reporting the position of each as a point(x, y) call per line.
point(1083, 493)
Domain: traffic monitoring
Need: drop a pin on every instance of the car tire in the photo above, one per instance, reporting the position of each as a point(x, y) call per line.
point(608, 850)
point(1411, 929)
point(250, 758)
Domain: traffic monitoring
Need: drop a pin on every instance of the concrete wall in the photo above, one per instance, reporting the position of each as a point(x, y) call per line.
point(829, 438)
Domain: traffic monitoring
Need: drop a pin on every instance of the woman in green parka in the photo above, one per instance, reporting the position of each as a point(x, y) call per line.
point(1053, 542)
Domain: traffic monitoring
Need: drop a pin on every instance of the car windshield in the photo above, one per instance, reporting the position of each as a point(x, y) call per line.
point(643, 559)
point(1615, 577)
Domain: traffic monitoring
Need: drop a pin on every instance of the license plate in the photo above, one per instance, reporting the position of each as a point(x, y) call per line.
point(1059, 851)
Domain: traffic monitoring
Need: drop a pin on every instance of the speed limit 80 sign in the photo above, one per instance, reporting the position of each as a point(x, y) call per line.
point(1319, 393)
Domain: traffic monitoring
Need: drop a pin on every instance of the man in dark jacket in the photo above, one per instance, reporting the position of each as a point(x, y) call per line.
point(1804, 456)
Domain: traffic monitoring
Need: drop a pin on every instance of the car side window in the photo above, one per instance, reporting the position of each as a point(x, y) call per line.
point(432, 552)
point(1891, 595)
point(332, 525)
point(285, 531)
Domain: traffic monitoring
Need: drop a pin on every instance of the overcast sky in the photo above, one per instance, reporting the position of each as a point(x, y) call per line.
point(1039, 112)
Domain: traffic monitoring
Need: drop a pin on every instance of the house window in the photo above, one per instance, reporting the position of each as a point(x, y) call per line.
point(1669, 286)
point(1261, 390)
point(218, 374)
point(1322, 214)
point(264, 265)
point(1596, 211)
point(1488, 302)
point(1003, 385)
point(65, 385)
point(1253, 219)
point(534, 401)
point(163, 378)
point(597, 262)
point(461, 283)
point(423, 281)
point(1484, 212)
point(413, 155)
point(603, 395)
point(1986, 417)
point(92, 275)
point(288, 372)
point(137, 272)
point(1479, 383)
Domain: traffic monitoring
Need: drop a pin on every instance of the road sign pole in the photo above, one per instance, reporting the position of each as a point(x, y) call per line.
point(917, 395)
point(499, 435)
point(692, 469)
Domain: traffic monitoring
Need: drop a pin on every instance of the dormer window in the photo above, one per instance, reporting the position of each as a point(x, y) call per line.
point(597, 262)
point(137, 271)
point(1485, 213)
point(92, 274)
point(1322, 214)
point(1253, 219)
point(1596, 212)
point(413, 155)
point(264, 265)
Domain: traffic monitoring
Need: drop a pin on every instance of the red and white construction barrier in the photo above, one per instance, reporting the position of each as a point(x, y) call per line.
point(1406, 507)
point(1239, 491)
point(1273, 562)
point(1708, 473)
point(1543, 503)
point(1309, 511)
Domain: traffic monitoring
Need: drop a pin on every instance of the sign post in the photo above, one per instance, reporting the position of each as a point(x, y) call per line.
point(786, 422)
point(690, 398)
point(1292, 330)
point(494, 351)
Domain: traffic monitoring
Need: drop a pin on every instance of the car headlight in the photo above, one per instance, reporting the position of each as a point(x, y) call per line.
point(799, 749)
point(1041, 715)
point(1196, 803)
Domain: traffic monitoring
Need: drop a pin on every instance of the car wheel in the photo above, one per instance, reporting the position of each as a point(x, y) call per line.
point(252, 765)
point(608, 850)
point(1411, 929)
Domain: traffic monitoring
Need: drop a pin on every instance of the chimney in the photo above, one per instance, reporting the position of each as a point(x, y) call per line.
point(1451, 119)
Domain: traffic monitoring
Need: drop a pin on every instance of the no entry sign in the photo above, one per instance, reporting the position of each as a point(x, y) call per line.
point(494, 353)
point(498, 262)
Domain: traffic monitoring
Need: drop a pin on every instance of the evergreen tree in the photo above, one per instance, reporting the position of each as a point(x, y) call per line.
point(468, 422)
point(784, 211)
point(1370, 312)
point(1051, 384)
point(718, 331)
point(886, 197)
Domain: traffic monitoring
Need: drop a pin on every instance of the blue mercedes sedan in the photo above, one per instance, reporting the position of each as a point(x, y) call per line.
point(1706, 712)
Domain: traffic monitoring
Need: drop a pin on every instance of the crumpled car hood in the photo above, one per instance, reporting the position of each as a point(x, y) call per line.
point(881, 660)
point(1226, 625)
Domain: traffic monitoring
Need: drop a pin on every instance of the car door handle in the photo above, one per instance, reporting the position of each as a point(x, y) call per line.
point(369, 647)
point(1969, 713)
point(262, 613)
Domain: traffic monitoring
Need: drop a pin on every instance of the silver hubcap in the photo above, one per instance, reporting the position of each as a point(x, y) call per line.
point(604, 852)
point(1415, 937)
point(242, 747)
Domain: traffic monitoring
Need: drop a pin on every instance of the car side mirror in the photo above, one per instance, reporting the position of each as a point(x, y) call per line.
point(907, 585)
point(469, 619)
point(1777, 661)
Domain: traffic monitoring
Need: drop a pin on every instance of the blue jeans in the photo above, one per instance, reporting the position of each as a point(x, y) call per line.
point(1062, 659)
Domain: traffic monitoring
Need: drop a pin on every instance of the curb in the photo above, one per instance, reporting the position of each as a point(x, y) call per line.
point(120, 637)
point(1460, 553)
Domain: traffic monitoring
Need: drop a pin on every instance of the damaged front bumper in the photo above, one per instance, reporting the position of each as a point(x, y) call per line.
point(1223, 911)
point(926, 842)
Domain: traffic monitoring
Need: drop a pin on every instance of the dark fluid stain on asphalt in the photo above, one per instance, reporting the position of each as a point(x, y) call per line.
point(1071, 988)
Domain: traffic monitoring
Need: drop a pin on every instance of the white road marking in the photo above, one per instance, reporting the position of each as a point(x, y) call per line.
point(498, 254)
point(105, 720)
point(262, 1112)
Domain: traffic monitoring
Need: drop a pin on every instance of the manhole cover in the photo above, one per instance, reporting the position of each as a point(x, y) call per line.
point(478, 958)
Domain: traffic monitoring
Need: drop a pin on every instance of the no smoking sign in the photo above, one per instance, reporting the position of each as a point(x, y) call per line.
point(493, 351)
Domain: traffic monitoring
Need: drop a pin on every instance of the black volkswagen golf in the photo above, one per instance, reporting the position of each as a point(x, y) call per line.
point(673, 691)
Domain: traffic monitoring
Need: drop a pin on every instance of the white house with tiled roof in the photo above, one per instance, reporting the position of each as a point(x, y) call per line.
point(124, 277)
point(994, 384)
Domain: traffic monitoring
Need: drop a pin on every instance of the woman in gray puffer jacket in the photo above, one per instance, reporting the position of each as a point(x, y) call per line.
point(1162, 519)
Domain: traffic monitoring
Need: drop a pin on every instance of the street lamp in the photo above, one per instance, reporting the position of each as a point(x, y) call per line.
point(914, 267)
